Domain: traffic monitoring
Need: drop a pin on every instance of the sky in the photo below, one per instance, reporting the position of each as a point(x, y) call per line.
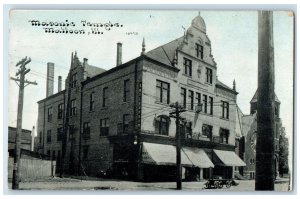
point(233, 36)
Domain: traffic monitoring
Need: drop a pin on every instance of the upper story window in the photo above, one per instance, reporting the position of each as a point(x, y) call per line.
point(74, 80)
point(205, 103)
point(60, 132)
point(162, 125)
point(60, 111)
point(126, 90)
point(50, 111)
point(48, 136)
point(207, 131)
point(71, 133)
point(183, 97)
point(187, 66)
point(211, 104)
point(126, 123)
point(104, 97)
point(199, 51)
point(225, 110)
point(191, 100)
point(73, 107)
point(86, 130)
point(162, 92)
point(104, 127)
point(198, 101)
point(92, 101)
point(209, 75)
point(224, 135)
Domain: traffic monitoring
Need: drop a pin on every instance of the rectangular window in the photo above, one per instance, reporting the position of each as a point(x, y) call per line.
point(225, 110)
point(162, 125)
point(92, 101)
point(71, 133)
point(85, 152)
point(198, 101)
point(48, 136)
point(162, 92)
point(199, 51)
point(73, 107)
point(50, 111)
point(205, 103)
point(207, 131)
point(126, 90)
point(224, 135)
point(74, 80)
point(86, 130)
point(211, 104)
point(60, 111)
point(209, 75)
point(60, 132)
point(104, 127)
point(183, 97)
point(104, 98)
point(191, 100)
point(125, 123)
point(187, 66)
point(48, 153)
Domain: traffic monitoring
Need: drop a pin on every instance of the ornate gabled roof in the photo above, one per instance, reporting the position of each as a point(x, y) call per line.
point(165, 53)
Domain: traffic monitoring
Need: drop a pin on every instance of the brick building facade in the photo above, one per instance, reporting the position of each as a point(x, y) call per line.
point(118, 120)
point(249, 129)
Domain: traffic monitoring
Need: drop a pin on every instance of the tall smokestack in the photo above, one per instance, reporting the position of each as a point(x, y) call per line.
point(59, 84)
point(119, 53)
point(50, 79)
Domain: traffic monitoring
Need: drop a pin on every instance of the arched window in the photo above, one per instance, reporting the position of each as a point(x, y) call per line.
point(162, 123)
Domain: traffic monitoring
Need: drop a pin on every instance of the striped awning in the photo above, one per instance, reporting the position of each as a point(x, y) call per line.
point(227, 158)
point(163, 154)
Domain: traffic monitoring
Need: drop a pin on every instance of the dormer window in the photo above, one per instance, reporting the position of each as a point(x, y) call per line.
point(187, 66)
point(199, 51)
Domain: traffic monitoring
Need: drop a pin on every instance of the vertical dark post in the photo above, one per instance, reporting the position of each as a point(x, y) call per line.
point(17, 154)
point(264, 179)
point(178, 149)
point(16, 169)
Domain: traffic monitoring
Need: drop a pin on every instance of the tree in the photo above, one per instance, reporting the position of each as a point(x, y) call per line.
point(283, 152)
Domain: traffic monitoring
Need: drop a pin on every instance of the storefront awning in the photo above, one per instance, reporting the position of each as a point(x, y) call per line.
point(198, 157)
point(227, 158)
point(162, 154)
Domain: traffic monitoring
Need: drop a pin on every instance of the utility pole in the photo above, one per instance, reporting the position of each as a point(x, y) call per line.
point(176, 114)
point(265, 169)
point(22, 81)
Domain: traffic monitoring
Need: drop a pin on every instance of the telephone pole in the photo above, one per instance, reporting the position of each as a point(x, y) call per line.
point(176, 114)
point(22, 81)
point(265, 169)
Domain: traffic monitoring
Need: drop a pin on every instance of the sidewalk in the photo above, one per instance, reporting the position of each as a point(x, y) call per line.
point(116, 185)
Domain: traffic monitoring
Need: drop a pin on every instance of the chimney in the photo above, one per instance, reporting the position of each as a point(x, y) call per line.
point(50, 79)
point(85, 62)
point(59, 84)
point(119, 53)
